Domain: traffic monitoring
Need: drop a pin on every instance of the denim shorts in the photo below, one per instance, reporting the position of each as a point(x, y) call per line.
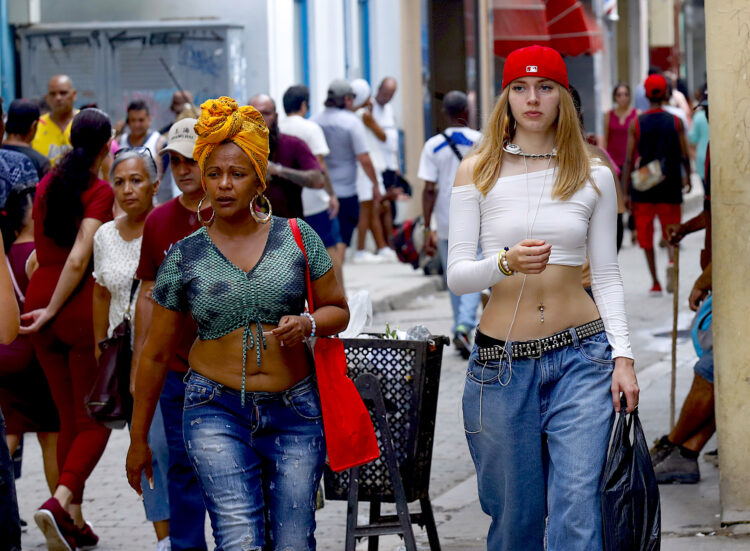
point(538, 431)
point(328, 230)
point(704, 367)
point(259, 465)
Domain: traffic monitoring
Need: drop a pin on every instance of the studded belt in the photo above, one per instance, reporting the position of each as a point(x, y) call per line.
point(494, 349)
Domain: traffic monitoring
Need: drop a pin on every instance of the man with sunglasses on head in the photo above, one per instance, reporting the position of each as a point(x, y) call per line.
point(165, 225)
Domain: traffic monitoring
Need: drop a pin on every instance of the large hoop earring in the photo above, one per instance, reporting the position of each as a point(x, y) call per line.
point(254, 212)
point(198, 213)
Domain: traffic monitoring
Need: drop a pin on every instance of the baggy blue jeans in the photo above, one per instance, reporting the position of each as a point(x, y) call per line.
point(187, 512)
point(538, 432)
point(464, 306)
point(259, 465)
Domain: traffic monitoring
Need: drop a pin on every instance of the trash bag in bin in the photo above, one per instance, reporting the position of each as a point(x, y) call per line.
point(631, 512)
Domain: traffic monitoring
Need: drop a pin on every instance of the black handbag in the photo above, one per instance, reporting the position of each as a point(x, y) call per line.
point(631, 510)
point(109, 401)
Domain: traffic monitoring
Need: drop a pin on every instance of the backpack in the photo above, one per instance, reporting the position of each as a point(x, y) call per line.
point(702, 332)
point(408, 240)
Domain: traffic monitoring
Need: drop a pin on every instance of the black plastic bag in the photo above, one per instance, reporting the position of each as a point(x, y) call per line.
point(631, 512)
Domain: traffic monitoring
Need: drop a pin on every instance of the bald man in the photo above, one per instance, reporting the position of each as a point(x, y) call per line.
point(382, 112)
point(291, 164)
point(52, 137)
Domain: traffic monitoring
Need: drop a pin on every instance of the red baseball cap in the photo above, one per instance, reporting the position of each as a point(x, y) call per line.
point(656, 87)
point(535, 61)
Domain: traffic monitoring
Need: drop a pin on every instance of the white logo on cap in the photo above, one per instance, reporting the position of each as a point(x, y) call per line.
point(532, 69)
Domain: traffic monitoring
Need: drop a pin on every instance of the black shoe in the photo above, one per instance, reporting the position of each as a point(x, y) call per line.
point(662, 448)
point(461, 342)
point(677, 469)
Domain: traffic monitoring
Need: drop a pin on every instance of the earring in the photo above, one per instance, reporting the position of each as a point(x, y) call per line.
point(254, 211)
point(198, 213)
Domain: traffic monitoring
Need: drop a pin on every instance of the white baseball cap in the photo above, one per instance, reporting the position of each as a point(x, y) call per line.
point(362, 91)
point(181, 138)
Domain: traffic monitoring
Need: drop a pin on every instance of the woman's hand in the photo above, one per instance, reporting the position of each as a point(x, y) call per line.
point(292, 330)
point(36, 319)
point(530, 256)
point(138, 462)
point(624, 380)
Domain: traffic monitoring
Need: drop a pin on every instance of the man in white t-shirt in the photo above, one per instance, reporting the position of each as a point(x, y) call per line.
point(441, 156)
point(382, 112)
point(370, 209)
point(320, 206)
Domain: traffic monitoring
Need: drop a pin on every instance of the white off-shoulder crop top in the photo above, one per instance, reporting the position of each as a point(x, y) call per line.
point(588, 220)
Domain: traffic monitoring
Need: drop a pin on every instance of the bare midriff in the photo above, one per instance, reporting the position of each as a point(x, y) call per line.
point(557, 290)
point(220, 360)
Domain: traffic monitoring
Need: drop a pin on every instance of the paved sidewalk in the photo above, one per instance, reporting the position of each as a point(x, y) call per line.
point(690, 513)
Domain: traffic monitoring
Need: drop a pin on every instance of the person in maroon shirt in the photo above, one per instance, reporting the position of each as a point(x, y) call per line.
point(165, 226)
point(291, 166)
point(70, 205)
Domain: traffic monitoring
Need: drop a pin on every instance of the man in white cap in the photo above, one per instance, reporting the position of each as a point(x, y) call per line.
point(346, 138)
point(369, 209)
point(165, 225)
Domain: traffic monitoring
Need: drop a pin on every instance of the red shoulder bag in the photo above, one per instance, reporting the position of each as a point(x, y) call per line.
point(350, 436)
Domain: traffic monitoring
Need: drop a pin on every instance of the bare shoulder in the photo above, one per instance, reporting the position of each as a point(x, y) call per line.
point(465, 172)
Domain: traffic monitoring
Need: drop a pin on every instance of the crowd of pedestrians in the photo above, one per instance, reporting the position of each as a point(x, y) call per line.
point(184, 230)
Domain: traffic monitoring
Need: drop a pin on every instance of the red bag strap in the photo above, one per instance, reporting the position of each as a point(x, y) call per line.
point(301, 244)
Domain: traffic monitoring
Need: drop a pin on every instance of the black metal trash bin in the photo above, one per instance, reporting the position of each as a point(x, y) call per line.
point(409, 375)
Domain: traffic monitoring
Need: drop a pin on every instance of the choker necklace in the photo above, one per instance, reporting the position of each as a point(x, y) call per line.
point(514, 149)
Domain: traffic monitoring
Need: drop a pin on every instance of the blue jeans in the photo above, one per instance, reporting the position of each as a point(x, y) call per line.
point(156, 501)
point(464, 306)
point(259, 465)
point(538, 432)
point(10, 524)
point(187, 512)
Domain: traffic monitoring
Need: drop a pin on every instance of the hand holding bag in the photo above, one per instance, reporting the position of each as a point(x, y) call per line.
point(631, 511)
point(109, 401)
point(350, 435)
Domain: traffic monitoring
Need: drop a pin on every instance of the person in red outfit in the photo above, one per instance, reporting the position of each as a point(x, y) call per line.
point(71, 203)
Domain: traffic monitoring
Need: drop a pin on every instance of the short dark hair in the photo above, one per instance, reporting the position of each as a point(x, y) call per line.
point(138, 105)
point(22, 115)
point(455, 103)
point(294, 97)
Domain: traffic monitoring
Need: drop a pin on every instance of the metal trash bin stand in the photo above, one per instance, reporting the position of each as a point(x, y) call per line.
point(402, 396)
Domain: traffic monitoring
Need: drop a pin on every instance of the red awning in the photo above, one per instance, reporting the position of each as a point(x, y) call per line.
point(562, 24)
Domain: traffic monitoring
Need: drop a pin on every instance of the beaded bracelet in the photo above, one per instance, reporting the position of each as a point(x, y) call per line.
point(502, 263)
point(308, 315)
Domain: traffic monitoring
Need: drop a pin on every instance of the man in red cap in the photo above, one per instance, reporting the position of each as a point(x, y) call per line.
point(658, 150)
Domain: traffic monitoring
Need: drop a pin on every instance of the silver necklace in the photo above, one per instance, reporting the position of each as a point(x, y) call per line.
point(514, 149)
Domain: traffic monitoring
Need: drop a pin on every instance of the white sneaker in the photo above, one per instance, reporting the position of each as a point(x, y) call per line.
point(164, 545)
point(388, 254)
point(366, 257)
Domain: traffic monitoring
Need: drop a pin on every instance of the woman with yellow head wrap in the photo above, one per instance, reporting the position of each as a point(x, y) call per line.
point(250, 393)
point(223, 121)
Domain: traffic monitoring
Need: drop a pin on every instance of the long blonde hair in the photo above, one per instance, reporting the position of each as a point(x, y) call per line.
point(574, 168)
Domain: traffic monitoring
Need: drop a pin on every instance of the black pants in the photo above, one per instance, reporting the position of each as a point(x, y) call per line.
point(10, 524)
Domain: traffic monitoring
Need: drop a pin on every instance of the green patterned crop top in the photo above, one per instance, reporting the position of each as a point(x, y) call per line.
point(196, 277)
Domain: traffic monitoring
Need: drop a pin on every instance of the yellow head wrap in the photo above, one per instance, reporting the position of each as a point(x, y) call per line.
point(221, 121)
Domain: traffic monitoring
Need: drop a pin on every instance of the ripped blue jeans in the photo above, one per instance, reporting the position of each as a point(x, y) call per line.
point(259, 465)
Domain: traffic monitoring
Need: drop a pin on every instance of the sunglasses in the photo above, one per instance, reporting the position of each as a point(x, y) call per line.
point(142, 152)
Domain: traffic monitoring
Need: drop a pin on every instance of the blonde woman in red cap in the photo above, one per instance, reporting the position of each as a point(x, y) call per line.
point(548, 364)
point(252, 419)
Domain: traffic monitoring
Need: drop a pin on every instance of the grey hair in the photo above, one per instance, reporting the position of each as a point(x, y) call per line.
point(149, 163)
